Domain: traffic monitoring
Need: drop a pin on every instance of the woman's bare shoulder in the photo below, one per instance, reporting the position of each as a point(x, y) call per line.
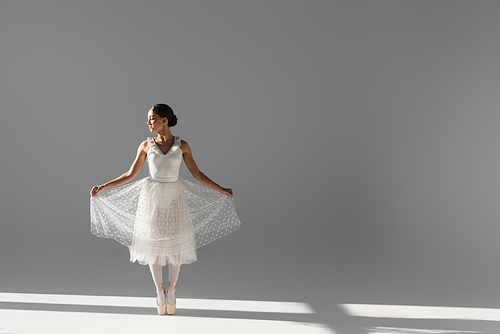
point(144, 147)
point(184, 146)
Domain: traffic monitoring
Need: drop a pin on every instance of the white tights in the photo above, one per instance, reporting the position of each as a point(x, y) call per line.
point(173, 275)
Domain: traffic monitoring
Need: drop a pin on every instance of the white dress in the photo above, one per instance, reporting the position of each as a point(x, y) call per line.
point(162, 218)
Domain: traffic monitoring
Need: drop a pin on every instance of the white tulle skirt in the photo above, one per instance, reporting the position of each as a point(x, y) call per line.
point(162, 222)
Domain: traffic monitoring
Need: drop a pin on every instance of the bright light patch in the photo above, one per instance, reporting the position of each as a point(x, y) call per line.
point(49, 322)
point(59, 322)
point(183, 303)
point(421, 312)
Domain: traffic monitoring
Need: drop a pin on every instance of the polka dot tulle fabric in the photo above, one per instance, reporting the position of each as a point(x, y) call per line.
point(162, 222)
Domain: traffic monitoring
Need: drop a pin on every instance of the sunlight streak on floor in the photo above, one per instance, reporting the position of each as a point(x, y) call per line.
point(421, 312)
point(147, 302)
point(45, 322)
point(45, 316)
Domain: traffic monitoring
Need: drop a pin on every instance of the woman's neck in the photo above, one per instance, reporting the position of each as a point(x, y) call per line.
point(165, 135)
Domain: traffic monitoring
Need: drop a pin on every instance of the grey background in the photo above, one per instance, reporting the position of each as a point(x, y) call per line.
point(360, 139)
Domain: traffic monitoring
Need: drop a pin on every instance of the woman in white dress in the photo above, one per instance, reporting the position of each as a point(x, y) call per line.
point(161, 218)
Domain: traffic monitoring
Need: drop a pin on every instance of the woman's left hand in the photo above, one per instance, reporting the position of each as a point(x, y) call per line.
point(227, 192)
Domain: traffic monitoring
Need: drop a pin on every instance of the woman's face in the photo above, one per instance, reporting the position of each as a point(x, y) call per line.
point(155, 122)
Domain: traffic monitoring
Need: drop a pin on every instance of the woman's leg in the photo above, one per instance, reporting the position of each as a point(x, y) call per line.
point(156, 272)
point(173, 275)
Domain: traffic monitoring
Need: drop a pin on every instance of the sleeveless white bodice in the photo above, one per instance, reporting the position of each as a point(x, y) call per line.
point(164, 167)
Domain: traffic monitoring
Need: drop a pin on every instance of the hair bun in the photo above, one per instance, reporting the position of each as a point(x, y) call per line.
point(172, 121)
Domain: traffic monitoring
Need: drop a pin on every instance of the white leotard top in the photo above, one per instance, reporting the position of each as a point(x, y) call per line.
point(164, 167)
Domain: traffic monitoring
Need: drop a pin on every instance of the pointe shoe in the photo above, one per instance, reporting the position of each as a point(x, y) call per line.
point(170, 307)
point(161, 308)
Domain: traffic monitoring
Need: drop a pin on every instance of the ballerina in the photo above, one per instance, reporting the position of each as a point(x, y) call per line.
point(162, 218)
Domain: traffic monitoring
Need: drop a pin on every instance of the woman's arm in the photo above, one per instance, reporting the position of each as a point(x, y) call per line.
point(197, 174)
point(129, 175)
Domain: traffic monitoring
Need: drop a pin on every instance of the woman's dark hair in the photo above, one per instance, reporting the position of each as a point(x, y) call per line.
point(164, 110)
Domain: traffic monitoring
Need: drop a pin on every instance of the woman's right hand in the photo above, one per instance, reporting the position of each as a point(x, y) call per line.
point(97, 189)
